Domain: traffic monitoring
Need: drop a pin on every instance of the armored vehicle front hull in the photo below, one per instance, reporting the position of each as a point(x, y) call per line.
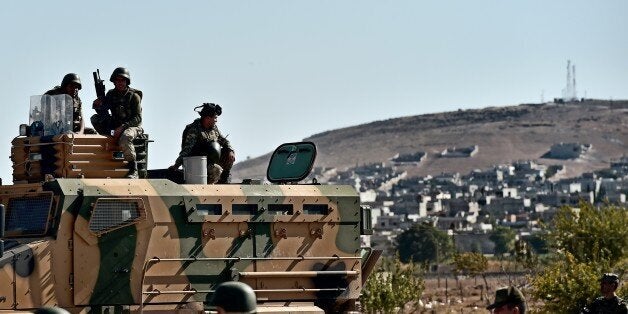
point(152, 244)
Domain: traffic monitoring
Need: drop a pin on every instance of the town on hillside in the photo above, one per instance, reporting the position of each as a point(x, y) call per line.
point(521, 195)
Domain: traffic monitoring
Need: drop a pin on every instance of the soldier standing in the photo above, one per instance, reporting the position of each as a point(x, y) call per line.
point(125, 121)
point(609, 302)
point(70, 85)
point(202, 138)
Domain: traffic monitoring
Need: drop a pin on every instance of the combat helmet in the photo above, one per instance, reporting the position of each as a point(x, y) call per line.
point(213, 152)
point(209, 109)
point(508, 295)
point(234, 297)
point(610, 278)
point(71, 78)
point(120, 71)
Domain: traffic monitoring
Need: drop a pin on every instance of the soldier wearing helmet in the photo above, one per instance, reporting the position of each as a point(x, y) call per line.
point(119, 115)
point(202, 138)
point(508, 300)
point(234, 297)
point(70, 85)
point(609, 302)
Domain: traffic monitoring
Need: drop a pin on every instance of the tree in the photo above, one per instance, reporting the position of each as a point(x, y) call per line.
point(565, 285)
point(473, 264)
point(504, 239)
point(588, 242)
point(470, 263)
point(393, 286)
point(591, 234)
point(424, 243)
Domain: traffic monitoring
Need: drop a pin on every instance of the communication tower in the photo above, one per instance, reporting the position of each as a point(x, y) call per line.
point(569, 92)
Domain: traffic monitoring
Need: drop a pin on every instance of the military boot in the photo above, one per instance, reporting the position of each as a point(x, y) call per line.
point(132, 166)
point(214, 172)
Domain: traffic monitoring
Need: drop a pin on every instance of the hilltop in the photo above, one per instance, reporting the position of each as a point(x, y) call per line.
point(502, 135)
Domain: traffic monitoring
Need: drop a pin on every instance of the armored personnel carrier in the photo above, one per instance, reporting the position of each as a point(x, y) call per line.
point(77, 235)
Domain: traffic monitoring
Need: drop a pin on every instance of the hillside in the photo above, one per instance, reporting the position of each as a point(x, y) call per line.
point(502, 134)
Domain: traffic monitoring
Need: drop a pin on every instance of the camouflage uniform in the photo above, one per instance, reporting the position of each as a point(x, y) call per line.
point(611, 306)
point(77, 113)
point(126, 112)
point(196, 139)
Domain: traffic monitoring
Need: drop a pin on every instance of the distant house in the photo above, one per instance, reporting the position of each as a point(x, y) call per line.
point(508, 192)
point(469, 242)
point(620, 166)
point(448, 178)
point(498, 207)
point(411, 159)
point(568, 150)
point(460, 152)
point(452, 223)
point(558, 199)
point(488, 177)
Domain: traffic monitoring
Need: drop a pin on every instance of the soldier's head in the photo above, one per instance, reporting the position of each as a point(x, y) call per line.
point(508, 300)
point(121, 78)
point(71, 84)
point(609, 283)
point(234, 297)
point(209, 114)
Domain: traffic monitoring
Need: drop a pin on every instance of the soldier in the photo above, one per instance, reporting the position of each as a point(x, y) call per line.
point(202, 138)
point(125, 121)
point(70, 85)
point(508, 300)
point(234, 297)
point(609, 302)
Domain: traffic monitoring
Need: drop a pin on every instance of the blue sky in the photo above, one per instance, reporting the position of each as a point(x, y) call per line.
point(284, 70)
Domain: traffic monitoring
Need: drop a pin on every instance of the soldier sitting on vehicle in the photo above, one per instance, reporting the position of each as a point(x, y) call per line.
point(202, 138)
point(609, 302)
point(70, 85)
point(125, 121)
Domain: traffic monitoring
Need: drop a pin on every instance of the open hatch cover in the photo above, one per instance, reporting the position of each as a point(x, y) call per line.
point(291, 162)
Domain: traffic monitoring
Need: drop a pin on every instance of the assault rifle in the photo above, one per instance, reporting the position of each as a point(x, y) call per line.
point(100, 88)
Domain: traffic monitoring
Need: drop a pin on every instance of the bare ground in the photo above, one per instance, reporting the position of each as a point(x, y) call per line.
point(443, 293)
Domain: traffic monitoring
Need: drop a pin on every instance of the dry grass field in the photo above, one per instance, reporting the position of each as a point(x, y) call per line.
point(443, 294)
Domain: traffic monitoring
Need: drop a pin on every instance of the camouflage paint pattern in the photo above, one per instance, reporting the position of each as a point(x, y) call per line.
point(156, 243)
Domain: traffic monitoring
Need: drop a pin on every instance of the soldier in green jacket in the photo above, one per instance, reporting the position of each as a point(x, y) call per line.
point(609, 302)
point(70, 85)
point(202, 138)
point(124, 122)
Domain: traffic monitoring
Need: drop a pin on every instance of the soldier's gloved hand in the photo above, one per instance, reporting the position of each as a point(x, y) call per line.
point(173, 168)
point(117, 132)
point(231, 157)
point(96, 104)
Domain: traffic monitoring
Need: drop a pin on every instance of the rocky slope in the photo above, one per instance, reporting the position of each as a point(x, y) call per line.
point(503, 135)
